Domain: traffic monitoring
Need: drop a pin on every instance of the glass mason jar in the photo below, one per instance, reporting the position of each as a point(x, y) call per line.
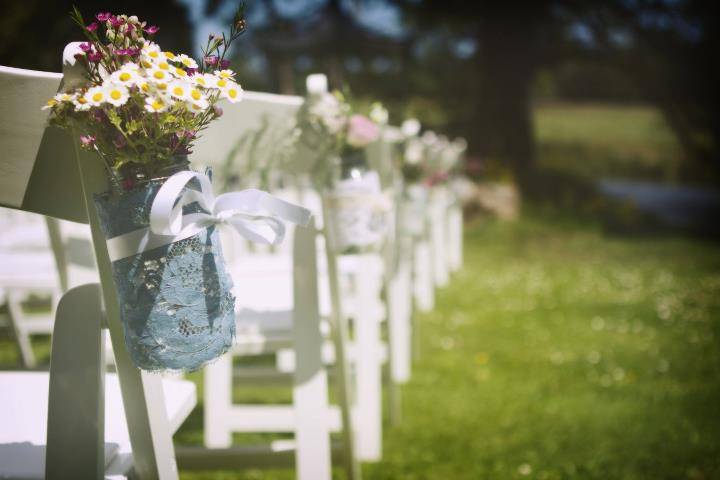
point(176, 304)
point(359, 211)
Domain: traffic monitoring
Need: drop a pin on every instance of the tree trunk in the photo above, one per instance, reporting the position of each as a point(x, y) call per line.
point(508, 53)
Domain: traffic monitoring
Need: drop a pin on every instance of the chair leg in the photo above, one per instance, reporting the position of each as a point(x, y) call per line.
point(310, 389)
point(340, 339)
point(22, 338)
point(424, 283)
point(455, 240)
point(218, 379)
point(368, 365)
point(76, 403)
point(438, 243)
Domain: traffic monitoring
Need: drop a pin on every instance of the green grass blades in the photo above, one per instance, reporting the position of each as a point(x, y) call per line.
point(558, 353)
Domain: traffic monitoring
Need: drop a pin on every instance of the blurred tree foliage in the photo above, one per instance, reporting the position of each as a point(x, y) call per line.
point(464, 68)
point(34, 32)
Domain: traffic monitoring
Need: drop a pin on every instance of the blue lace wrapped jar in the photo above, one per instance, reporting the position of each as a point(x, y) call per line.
point(176, 304)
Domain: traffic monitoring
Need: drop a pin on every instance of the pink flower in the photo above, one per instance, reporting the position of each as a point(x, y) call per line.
point(115, 21)
point(103, 16)
point(224, 64)
point(92, 27)
point(151, 30)
point(217, 111)
point(361, 131)
point(191, 71)
point(211, 60)
point(85, 47)
point(94, 57)
point(87, 141)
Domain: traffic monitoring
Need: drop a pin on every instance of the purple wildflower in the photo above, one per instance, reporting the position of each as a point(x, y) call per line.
point(224, 64)
point(87, 141)
point(211, 60)
point(103, 16)
point(115, 21)
point(94, 57)
point(86, 47)
point(151, 30)
point(218, 111)
point(92, 27)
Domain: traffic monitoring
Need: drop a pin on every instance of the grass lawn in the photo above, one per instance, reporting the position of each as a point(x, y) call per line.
point(556, 353)
point(605, 140)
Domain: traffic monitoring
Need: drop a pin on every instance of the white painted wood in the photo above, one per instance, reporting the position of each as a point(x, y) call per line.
point(438, 235)
point(76, 409)
point(424, 282)
point(217, 402)
point(399, 299)
point(455, 237)
point(312, 433)
point(368, 364)
point(340, 337)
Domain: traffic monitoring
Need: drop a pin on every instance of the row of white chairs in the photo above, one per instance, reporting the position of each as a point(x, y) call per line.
point(297, 302)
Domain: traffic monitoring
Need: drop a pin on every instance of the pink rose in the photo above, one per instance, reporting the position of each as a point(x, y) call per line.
point(361, 131)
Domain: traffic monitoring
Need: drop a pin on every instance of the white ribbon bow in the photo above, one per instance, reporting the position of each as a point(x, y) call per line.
point(254, 214)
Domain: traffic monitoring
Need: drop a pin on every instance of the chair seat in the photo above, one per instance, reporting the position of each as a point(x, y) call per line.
point(23, 416)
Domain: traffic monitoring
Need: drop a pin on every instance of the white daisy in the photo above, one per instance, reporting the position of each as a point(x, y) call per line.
point(169, 56)
point(196, 95)
point(95, 96)
point(226, 74)
point(232, 91)
point(126, 76)
point(60, 98)
point(50, 104)
point(197, 106)
point(204, 80)
point(158, 75)
point(179, 72)
point(186, 61)
point(117, 94)
point(81, 104)
point(156, 104)
point(179, 90)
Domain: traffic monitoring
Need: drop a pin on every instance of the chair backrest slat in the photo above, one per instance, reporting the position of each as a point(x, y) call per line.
point(38, 171)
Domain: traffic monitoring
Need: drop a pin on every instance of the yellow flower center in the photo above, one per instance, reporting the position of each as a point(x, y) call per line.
point(200, 80)
point(187, 62)
point(153, 54)
point(170, 55)
point(195, 95)
point(82, 100)
point(232, 93)
point(178, 91)
point(124, 77)
point(196, 106)
point(159, 75)
point(97, 96)
point(145, 87)
point(157, 105)
point(222, 82)
point(51, 102)
point(180, 71)
point(163, 65)
point(162, 86)
point(115, 94)
point(146, 64)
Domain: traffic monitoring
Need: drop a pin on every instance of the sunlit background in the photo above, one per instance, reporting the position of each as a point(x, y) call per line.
point(582, 338)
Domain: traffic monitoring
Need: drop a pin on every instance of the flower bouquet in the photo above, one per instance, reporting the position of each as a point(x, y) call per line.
point(358, 208)
point(140, 108)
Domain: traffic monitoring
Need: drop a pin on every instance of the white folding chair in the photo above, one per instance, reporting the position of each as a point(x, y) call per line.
point(42, 171)
point(278, 311)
